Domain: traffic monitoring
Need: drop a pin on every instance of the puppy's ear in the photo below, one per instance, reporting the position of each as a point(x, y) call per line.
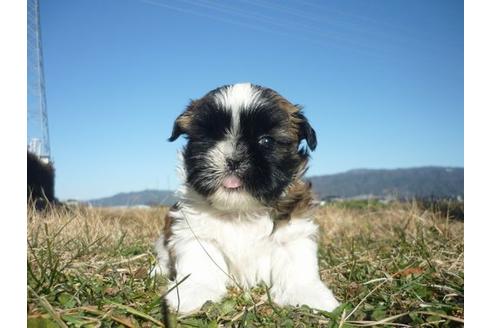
point(306, 132)
point(177, 130)
point(182, 123)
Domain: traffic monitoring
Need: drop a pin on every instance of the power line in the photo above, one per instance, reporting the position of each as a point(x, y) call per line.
point(329, 40)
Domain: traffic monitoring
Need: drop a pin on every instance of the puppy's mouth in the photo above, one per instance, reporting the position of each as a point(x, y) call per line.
point(232, 183)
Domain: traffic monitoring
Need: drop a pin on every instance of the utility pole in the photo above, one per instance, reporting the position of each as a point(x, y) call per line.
point(37, 113)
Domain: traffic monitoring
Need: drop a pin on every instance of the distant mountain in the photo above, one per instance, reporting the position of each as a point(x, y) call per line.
point(418, 182)
point(146, 197)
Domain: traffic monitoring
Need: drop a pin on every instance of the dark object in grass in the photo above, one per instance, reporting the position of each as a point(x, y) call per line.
point(40, 181)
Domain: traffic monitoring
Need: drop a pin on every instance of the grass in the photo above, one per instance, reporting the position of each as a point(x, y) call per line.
point(397, 265)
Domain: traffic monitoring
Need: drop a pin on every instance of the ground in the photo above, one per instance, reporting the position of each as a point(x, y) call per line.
point(389, 265)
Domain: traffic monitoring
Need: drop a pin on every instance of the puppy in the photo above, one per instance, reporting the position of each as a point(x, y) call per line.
point(245, 215)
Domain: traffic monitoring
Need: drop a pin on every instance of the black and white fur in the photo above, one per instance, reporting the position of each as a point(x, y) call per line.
point(244, 215)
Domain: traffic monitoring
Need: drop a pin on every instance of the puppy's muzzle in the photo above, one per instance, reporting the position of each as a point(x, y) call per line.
point(233, 164)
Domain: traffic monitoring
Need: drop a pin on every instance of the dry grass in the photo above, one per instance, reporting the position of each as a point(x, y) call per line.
point(392, 265)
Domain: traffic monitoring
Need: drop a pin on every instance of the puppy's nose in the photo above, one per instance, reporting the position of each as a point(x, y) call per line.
point(232, 164)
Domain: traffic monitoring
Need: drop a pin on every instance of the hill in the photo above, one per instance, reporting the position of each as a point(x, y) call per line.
point(420, 182)
point(145, 197)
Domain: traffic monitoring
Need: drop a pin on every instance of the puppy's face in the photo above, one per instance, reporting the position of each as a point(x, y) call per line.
point(243, 145)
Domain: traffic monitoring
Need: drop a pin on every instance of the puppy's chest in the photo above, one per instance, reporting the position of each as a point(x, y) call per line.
point(242, 238)
point(246, 245)
point(248, 251)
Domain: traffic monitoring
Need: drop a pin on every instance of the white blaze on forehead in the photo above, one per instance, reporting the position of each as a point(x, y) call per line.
point(237, 97)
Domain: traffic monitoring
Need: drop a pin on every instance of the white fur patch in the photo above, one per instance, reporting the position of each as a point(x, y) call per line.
point(227, 201)
point(237, 97)
point(218, 249)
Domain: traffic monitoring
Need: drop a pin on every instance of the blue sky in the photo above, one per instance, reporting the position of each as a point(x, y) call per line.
point(381, 81)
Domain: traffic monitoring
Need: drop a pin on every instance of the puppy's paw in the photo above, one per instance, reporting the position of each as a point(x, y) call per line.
point(316, 296)
point(319, 299)
point(189, 299)
point(161, 266)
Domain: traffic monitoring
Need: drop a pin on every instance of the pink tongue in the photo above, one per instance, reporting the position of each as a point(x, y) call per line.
point(232, 182)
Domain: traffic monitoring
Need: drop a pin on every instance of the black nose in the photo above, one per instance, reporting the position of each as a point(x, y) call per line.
point(232, 164)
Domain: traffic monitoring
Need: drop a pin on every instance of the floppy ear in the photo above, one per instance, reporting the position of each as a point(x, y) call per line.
point(182, 123)
point(177, 130)
point(306, 132)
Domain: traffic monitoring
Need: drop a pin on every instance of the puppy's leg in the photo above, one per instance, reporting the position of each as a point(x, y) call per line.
point(295, 277)
point(162, 265)
point(206, 280)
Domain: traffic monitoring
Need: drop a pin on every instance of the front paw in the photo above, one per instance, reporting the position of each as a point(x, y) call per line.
point(316, 296)
point(188, 299)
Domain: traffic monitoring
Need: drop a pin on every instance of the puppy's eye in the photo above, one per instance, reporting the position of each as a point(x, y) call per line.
point(265, 141)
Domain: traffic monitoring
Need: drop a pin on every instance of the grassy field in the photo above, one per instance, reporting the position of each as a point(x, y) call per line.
point(395, 265)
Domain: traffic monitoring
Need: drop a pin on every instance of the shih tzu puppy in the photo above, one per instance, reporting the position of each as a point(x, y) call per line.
point(244, 215)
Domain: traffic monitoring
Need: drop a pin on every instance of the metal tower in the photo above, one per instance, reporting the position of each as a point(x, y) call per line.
point(37, 115)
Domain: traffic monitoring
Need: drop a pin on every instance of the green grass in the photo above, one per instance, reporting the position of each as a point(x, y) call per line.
point(395, 265)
